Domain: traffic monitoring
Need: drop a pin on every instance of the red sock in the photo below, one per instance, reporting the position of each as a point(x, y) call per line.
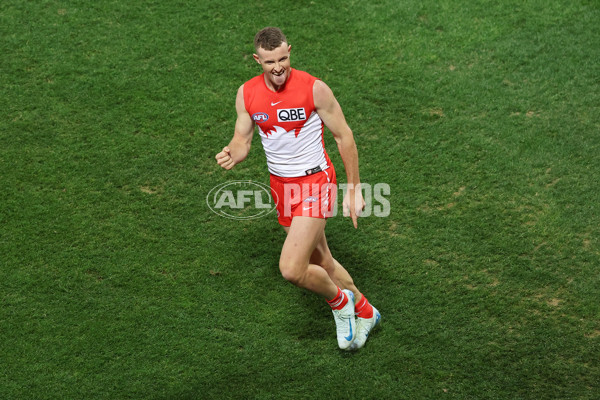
point(363, 308)
point(338, 301)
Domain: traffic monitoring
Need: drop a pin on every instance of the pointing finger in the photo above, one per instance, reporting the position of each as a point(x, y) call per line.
point(355, 220)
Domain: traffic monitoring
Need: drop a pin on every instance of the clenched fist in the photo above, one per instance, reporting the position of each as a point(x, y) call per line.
point(224, 158)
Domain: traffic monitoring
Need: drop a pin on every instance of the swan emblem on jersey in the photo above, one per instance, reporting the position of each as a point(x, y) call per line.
point(275, 132)
point(280, 131)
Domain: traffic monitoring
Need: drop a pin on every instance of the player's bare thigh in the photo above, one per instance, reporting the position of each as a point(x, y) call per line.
point(303, 236)
point(321, 255)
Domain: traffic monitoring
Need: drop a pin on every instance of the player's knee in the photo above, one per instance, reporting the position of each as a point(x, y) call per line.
point(291, 271)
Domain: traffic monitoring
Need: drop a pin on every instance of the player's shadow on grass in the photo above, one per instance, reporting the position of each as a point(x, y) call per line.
point(315, 320)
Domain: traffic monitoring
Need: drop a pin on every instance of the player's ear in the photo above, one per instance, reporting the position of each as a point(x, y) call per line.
point(289, 48)
point(256, 58)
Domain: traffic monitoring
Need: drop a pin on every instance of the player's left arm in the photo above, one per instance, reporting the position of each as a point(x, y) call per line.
point(333, 117)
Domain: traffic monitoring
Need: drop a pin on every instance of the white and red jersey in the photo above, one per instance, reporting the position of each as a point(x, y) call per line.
point(289, 126)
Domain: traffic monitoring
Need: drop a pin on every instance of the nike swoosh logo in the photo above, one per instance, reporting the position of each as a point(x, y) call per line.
point(306, 208)
point(274, 104)
point(349, 337)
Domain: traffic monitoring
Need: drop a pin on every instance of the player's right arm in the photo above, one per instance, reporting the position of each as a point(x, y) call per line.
point(237, 150)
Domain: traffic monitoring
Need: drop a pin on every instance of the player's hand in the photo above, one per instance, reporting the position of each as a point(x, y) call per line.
point(353, 204)
point(224, 158)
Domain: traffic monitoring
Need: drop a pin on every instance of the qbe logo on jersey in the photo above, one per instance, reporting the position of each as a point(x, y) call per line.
point(291, 114)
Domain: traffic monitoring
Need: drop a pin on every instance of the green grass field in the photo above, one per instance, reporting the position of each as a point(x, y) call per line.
point(117, 281)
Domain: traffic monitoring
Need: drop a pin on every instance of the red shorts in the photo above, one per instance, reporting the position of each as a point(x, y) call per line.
point(308, 196)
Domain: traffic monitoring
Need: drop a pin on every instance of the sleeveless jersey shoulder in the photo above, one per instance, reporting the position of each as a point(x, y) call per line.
point(303, 82)
point(252, 88)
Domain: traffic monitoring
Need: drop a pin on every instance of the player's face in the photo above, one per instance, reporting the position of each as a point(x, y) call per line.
point(275, 64)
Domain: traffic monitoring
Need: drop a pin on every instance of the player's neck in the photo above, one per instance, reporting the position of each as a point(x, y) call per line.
point(273, 87)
